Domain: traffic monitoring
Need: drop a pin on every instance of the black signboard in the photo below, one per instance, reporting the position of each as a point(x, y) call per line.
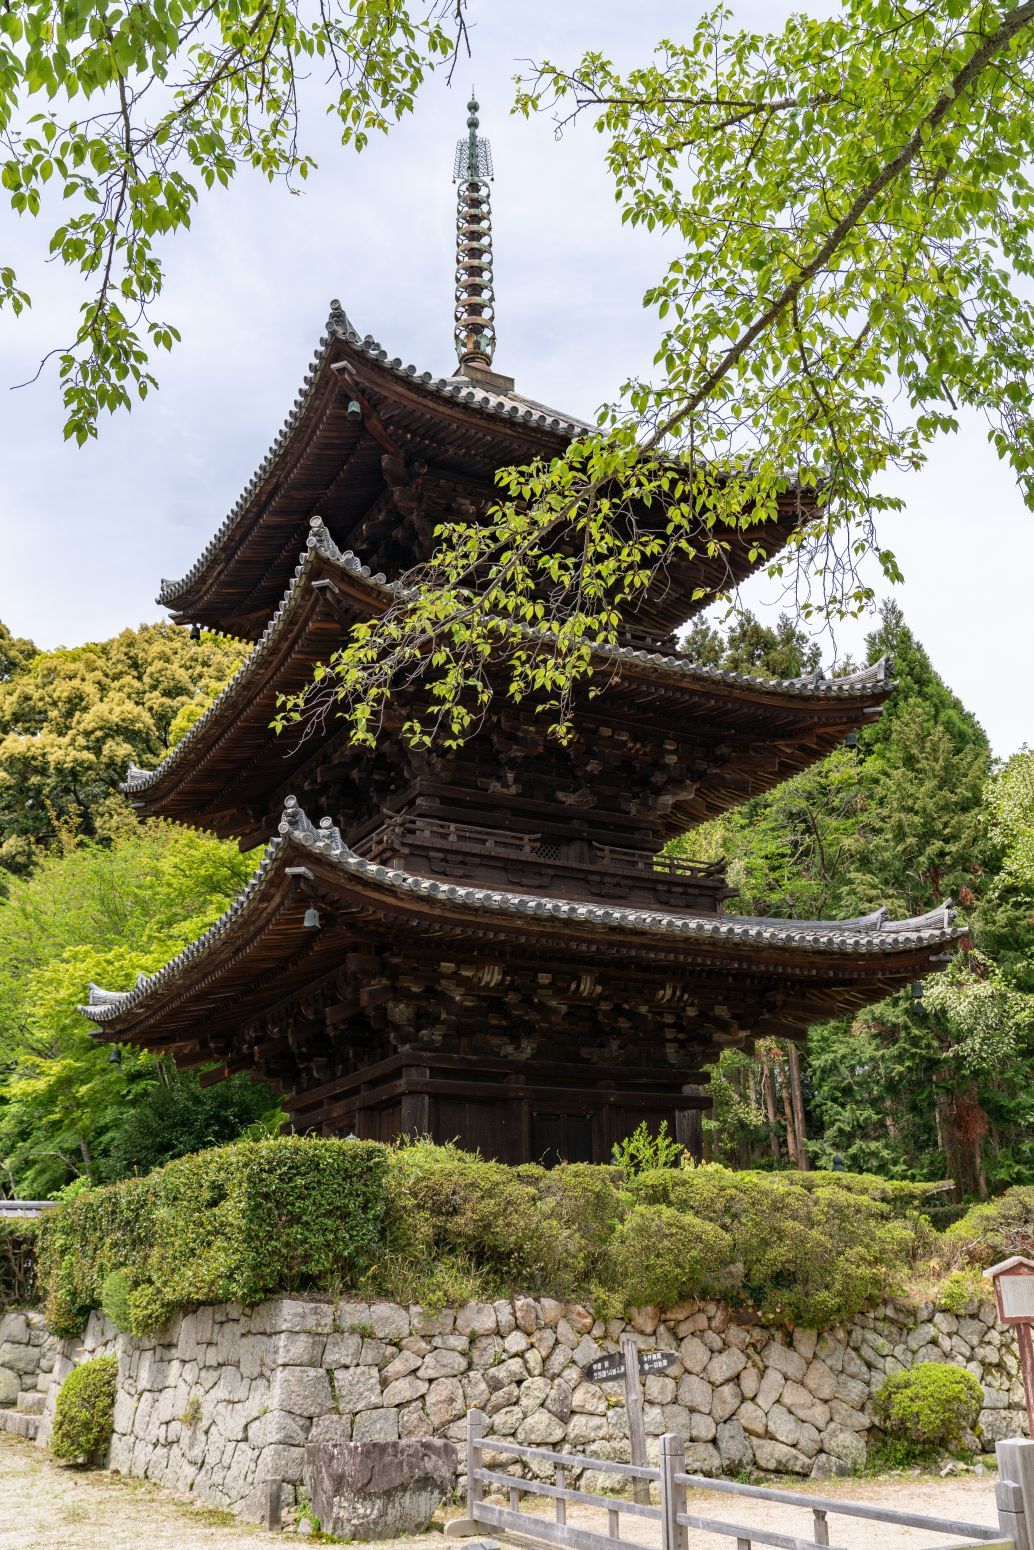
point(606, 1369)
point(611, 1369)
point(655, 1361)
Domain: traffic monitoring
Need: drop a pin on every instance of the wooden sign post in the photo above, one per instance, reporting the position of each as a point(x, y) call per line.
point(631, 1365)
point(1013, 1282)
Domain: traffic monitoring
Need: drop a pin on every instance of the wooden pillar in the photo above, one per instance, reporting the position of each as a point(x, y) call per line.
point(689, 1128)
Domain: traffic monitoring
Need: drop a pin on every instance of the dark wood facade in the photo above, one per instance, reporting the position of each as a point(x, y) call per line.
point(479, 944)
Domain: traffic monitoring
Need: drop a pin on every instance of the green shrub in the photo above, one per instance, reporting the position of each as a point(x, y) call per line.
point(929, 1407)
point(17, 1262)
point(995, 1229)
point(84, 1416)
point(233, 1224)
point(644, 1149)
point(115, 1290)
point(810, 1255)
point(958, 1291)
point(662, 1256)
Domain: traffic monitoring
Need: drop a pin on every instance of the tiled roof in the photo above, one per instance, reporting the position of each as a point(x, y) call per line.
point(320, 545)
point(507, 406)
point(868, 934)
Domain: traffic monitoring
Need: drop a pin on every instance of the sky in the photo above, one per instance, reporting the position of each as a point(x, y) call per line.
point(86, 534)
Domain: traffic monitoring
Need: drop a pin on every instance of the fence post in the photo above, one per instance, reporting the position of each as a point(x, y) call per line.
point(1014, 1492)
point(674, 1535)
point(462, 1528)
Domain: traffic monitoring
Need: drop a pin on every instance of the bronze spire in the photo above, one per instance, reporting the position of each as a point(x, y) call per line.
point(474, 329)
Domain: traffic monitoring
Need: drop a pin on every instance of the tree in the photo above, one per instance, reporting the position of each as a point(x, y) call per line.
point(851, 207)
point(119, 113)
point(104, 910)
point(906, 817)
point(71, 721)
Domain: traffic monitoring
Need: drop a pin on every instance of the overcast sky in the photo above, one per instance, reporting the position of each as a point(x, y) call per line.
point(86, 534)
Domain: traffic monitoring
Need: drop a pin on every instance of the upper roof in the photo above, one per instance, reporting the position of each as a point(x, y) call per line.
point(400, 900)
point(231, 757)
point(384, 452)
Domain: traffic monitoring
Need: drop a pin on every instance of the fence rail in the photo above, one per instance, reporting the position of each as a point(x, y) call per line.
point(1014, 1496)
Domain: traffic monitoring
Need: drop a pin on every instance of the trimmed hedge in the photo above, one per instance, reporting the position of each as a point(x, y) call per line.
point(234, 1224)
point(433, 1224)
point(84, 1416)
point(995, 1229)
point(17, 1262)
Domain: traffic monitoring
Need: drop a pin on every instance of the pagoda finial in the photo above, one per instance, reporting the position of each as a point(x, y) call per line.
point(474, 329)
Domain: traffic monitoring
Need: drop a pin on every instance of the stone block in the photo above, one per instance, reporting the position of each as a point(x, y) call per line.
point(357, 1388)
point(477, 1318)
point(389, 1321)
point(790, 1363)
point(695, 1393)
point(844, 1444)
point(783, 1426)
point(376, 1426)
point(315, 1318)
point(442, 1364)
point(583, 1429)
point(559, 1400)
point(777, 1456)
point(752, 1418)
point(852, 1391)
point(306, 1391)
point(725, 1401)
point(413, 1422)
point(588, 1399)
point(342, 1349)
point(659, 1389)
point(820, 1380)
point(427, 1324)
point(769, 1389)
point(805, 1406)
point(379, 1489)
point(528, 1316)
point(444, 1402)
point(297, 1348)
point(734, 1448)
point(749, 1381)
point(702, 1458)
point(505, 1422)
point(10, 1387)
point(279, 1462)
point(404, 1390)
point(277, 1426)
point(403, 1364)
point(476, 1392)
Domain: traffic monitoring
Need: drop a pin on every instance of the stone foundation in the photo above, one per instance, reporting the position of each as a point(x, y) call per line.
point(227, 1398)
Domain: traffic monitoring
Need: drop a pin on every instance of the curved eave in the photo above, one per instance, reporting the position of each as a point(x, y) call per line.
point(503, 429)
point(305, 860)
point(235, 730)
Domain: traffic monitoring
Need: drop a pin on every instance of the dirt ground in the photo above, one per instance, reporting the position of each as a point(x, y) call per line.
point(44, 1506)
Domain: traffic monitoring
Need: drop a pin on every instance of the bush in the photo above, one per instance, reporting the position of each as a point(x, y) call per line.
point(995, 1229)
point(810, 1255)
point(930, 1407)
point(433, 1224)
point(84, 1416)
point(234, 1224)
point(662, 1256)
point(17, 1262)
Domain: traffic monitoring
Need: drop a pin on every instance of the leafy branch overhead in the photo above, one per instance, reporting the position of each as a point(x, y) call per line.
point(117, 113)
point(850, 204)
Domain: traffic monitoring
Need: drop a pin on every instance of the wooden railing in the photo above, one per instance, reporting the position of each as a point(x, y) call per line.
point(541, 864)
point(1013, 1496)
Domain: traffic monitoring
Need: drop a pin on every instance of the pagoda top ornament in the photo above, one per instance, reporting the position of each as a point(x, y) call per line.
point(474, 328)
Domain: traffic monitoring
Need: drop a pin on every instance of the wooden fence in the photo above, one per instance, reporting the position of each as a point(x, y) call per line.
point(1014, 1495)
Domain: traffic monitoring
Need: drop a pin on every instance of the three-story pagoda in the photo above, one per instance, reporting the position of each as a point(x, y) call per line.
point(479, 943)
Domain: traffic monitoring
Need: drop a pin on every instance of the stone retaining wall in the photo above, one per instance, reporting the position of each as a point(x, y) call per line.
point(27, 1355)
point(226, 1398)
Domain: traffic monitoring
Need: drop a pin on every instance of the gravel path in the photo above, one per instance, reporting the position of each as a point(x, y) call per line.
point(44, 1506)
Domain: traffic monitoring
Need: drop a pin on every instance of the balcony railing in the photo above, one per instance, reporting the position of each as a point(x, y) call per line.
point(534, 863)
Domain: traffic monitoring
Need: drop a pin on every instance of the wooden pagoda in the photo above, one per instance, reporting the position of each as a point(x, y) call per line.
point(479, 943)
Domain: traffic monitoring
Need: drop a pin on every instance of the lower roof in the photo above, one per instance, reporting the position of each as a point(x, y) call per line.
point(261, 949)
